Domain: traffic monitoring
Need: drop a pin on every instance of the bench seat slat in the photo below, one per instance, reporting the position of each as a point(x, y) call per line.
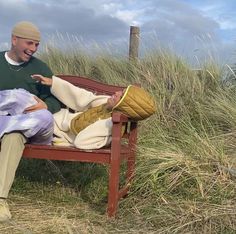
point(70, 153)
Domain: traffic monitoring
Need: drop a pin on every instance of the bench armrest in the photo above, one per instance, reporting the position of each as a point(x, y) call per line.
point(119, 117)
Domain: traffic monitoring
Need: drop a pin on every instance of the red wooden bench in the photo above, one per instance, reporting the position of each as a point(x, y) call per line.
point(111, 156)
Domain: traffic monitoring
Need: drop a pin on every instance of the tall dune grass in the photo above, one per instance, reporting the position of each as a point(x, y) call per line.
point(185, 180)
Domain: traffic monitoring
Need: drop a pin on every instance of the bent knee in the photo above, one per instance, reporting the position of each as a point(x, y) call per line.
point(14, 137)
point(44, 117)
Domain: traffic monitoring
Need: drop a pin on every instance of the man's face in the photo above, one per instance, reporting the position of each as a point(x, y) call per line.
point(23, 48)
point(114, 99)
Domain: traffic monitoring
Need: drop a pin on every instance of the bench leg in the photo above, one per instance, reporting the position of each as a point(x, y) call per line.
point(115, 193)
point(114, 178)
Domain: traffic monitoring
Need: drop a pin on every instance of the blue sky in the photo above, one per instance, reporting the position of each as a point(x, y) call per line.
point(190, 28)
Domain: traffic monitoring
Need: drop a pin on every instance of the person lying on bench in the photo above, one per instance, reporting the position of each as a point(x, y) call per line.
point(90, 126)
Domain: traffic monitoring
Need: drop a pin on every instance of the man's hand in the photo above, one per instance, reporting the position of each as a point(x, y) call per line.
point(39, 106)
point(42, 79)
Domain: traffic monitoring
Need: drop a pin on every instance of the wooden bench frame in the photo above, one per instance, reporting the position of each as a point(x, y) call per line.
point(112, 156)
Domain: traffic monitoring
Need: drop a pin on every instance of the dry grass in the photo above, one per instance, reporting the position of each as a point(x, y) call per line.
point(31, 216)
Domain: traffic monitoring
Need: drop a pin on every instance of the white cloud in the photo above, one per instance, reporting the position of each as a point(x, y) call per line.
point(110, 7)
point(223, 12)
point(129, 17)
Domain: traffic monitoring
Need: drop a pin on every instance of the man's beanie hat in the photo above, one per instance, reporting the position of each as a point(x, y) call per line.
point(26, 30)
point(136, 103)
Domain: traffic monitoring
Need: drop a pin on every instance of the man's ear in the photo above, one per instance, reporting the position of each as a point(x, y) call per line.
point(13, 40)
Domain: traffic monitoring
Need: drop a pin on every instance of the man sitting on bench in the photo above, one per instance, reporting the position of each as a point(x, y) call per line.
point(90, 125)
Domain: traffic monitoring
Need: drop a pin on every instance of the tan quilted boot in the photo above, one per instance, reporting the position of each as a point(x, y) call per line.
point(4, 211)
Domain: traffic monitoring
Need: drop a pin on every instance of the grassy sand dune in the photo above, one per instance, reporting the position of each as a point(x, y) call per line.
point(185, 174)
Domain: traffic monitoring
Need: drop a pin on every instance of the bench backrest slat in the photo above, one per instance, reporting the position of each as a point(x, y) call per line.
point(91, 85)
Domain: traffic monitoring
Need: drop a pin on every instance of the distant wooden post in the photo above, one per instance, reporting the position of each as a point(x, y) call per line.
point(134, 42)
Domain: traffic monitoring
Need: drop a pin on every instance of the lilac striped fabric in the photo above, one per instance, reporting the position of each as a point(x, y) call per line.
point(15, 101)
point(37, 126)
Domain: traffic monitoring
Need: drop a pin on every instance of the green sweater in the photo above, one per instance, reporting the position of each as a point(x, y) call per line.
point(20, 77)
